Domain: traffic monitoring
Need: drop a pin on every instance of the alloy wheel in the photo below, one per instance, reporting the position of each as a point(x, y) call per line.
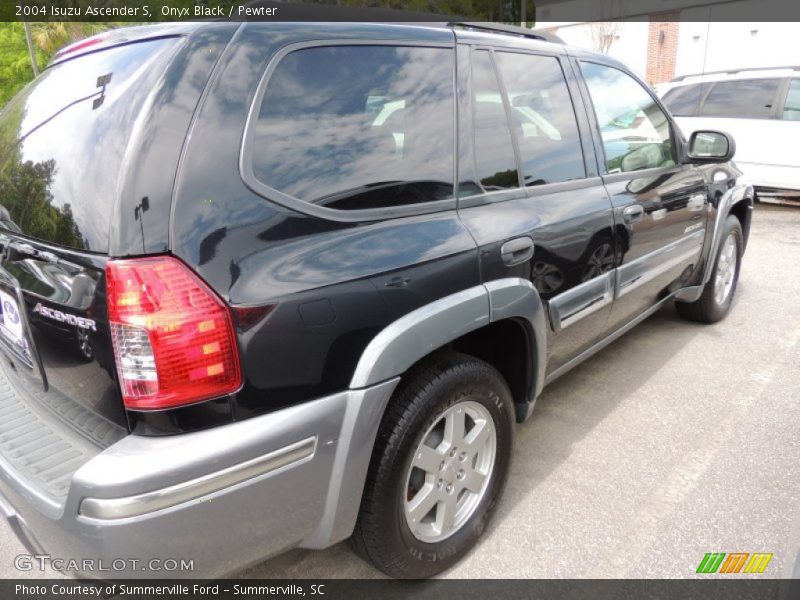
point(726, 270)
point(450, 471)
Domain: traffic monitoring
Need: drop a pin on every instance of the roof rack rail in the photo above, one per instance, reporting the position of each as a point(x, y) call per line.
point(734, 71)
point(490, 27)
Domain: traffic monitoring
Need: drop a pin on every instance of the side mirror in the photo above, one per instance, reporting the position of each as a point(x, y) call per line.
point(711, 147)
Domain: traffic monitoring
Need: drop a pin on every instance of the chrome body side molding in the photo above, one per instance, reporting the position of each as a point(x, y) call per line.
point(606, 341)
point(581, 301)
point(650, 266)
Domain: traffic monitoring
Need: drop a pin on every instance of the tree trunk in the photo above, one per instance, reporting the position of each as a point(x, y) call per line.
point(31, 50)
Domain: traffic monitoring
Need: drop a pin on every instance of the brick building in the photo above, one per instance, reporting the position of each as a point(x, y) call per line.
point(662, 46)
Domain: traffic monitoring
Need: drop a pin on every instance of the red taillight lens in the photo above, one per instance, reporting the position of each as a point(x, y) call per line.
point(173, 337)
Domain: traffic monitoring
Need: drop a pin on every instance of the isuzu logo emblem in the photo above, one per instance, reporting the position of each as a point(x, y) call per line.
point(10, 312)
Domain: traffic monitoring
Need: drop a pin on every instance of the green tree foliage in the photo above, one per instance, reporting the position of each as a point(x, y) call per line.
point(25, 194)
point(15, 64)
point(50, 37)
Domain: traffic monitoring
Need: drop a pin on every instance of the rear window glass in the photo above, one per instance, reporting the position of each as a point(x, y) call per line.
point(63, 142)
point(741, 99)
point(682, 101)
point(358, 127)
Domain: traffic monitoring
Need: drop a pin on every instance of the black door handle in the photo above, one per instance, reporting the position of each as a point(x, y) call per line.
point(517, 251)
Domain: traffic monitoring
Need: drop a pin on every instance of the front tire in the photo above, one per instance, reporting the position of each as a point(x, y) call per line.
point(717, 297)
point(440, 461)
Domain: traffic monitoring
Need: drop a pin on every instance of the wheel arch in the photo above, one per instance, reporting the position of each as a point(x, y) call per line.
point(455, 321)
point(743, 210)
point(737, 201)
point(479, 319)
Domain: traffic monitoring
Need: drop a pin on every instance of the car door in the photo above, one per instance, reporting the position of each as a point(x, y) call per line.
point(660, 205)
point(528, 193)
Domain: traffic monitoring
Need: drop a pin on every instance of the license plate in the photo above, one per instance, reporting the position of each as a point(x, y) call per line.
point(15, 341)
point(11, 327)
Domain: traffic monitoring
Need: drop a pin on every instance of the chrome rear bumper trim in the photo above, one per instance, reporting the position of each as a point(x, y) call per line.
point(140, 504)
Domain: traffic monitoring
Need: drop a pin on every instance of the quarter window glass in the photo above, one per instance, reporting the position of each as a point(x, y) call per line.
point(542, 117)
point(494, 151)
point(635, 131)
point(791, 110)
point(358, 127)
point(682, 101)
point(742, 99)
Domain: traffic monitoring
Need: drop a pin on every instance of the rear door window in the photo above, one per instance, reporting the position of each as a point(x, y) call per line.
point(791, 109)
point(358, 127)
point(542, 117)
point(741, 99)
point(682, 101)
point(494, 150)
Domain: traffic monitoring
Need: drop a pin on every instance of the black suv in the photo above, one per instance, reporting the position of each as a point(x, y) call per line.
point(273, 285)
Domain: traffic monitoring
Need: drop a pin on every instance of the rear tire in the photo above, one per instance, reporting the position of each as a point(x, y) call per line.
point(440, 461)
point(717, 296)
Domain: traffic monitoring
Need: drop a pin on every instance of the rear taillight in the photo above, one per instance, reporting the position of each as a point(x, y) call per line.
point(173, 337)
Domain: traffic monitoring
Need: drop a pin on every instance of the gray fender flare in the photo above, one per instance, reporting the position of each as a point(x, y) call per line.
point(417, 334)
point(390, 353)
point(741, 192)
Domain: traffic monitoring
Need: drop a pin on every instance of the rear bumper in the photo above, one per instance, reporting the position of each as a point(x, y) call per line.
point(223, 499)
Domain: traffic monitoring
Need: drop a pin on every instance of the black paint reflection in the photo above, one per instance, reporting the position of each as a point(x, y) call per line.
point(63, 142)
point(26, 197)
point(555, 270)
point(63, 299)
